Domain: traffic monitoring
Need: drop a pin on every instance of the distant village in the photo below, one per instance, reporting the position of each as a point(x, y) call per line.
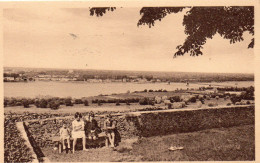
point(106, 76)
point(71, 76)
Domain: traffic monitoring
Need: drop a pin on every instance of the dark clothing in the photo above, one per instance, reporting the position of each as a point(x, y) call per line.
point(110, 124)
point(92, 126)
point(117, 134)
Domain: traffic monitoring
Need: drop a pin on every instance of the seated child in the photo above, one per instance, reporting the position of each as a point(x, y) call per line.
point(112, 135)
point(91, 127)
point(65, 136)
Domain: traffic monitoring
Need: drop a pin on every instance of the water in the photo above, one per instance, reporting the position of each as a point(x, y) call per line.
point(83, 89)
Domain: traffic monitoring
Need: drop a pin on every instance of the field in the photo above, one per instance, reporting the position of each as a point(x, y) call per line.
point(219, 144)
point(104, 107)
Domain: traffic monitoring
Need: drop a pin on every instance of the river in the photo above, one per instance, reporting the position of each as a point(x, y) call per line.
point(84, 89)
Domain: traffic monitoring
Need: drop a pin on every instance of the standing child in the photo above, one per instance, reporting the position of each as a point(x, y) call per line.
point(65, 136)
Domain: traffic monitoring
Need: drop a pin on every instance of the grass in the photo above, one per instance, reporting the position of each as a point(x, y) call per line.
point(106, 106)
point(220, 144)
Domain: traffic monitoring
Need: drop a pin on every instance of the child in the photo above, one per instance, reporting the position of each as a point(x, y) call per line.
point(113, 136)
point(91, 127)
point(65, 135)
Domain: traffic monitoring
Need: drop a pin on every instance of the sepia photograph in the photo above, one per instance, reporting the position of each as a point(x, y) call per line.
point(91, 83)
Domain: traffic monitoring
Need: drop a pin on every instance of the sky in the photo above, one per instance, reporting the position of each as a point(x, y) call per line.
point(71, 38)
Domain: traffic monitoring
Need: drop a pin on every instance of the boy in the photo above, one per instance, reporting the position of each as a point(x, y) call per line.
point(65, 136)
point(78, 131)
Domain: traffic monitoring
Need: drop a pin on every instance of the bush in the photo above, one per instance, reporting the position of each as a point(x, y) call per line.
point(78, 101)
point(235, 99)
point(68, 102)
point(86, 102)
point(117, 103)
point(146, 101)
point(43, 103)
point(228, 104)
point(192, 99)
point(248, 102)
point(175, 99)
point(54, 105)
point(5, 102)
point(25, 103)
point(99, 103)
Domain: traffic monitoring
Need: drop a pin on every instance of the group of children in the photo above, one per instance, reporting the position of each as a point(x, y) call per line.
point(88, 128)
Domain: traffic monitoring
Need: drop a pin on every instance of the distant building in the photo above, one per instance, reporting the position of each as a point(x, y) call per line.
point(9, 79)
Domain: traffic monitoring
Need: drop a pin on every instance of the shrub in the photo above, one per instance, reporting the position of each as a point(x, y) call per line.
point(248, 102)
point(68, 102)
point(228, 104)
point(78, 101)
point(25, 103)
point(5, 102)
point(145, 90)
point(235, 99)
point(217, 97)
point(99, 103)
point(43, 103)
point(86, 102)
point(144, 101)
point(192, 99)
point(150, 90)
point(175, 99)
point(54, 105)
point(117, 103)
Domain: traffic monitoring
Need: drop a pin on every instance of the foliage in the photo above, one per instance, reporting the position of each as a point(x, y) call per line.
point(192, 99)
point(54, 105)
point(86, 102)
point(175, 99)
point(78, 101)
point(146, 101)
point(234, 99)
point(15, 149)
point(68, 102)
point(100, 11)
point(43, 103)
point(201, 23)
point(26, 103)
